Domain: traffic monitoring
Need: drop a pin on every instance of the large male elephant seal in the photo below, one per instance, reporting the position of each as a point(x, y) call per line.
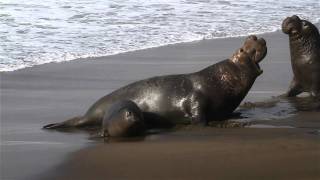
point(304, 40)
point(123, 119)
point(209, 94)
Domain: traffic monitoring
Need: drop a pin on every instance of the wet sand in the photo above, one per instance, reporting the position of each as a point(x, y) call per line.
point(281, 143)
point(201, 154)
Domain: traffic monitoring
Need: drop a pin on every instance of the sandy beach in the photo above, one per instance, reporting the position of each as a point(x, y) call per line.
point(282, 142)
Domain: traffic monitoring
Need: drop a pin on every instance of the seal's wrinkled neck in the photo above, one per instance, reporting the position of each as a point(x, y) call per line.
point(246, 64)
point(235, 58)
point(303, 45)
point(303, 36)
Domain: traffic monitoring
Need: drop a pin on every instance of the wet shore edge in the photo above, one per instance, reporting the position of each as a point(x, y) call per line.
point(283, 148)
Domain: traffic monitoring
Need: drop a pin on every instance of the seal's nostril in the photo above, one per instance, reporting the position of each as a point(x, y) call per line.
point(295, 17)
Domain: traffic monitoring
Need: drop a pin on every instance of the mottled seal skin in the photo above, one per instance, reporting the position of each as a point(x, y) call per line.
point(123, 119)
point(304, 41)
point(210, 94)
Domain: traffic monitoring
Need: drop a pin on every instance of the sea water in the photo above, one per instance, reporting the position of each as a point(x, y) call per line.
point(34, 32)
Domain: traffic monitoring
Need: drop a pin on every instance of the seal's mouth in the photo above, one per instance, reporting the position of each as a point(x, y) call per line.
point(258, 68)
point(255, 61)
point(256, 57)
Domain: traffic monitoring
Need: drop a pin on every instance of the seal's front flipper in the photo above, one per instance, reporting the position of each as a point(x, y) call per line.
point(294, 89)
point(315, 89)
point(197, 107)
point(98, 135)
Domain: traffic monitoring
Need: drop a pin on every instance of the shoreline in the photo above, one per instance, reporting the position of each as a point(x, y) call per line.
point(32, 97)
point(147, 48)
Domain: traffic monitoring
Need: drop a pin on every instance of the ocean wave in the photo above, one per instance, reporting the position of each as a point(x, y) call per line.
point(58, 31)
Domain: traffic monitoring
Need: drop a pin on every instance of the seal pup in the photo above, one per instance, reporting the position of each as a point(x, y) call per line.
point(123, 119)
point(304, 42)
point(212, 93)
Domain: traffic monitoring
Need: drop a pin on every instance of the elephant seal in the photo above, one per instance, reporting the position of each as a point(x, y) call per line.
point(123, 119)
point(304, 41)
point(212, 93)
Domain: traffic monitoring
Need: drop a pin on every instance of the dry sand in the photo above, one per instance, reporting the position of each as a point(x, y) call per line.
point(287, 147)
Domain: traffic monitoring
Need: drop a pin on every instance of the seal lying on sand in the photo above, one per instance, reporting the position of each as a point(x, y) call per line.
point(304, 40)
point(209, 94)
point(123, 119)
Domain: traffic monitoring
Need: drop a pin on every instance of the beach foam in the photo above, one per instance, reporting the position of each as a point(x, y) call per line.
point(36, 32)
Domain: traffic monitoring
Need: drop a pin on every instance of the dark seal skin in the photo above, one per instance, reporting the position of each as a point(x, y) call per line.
point(210, 94)
point(304, 41)
point(123, 119)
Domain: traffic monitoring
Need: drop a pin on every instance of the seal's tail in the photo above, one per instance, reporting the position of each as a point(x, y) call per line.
point(73, 122)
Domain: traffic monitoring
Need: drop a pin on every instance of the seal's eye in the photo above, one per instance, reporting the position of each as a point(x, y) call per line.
point(128, 113)
point(304, 24)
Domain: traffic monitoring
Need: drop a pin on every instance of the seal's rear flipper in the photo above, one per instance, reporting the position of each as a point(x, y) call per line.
point(54, 126)
point(294, 89)
point(73, 122)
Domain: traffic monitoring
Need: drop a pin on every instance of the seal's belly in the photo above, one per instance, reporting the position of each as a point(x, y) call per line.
point(303, 73)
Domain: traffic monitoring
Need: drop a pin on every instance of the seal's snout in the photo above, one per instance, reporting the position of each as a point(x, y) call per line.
point(295, 18)
point(256, 49)
point(252, 37)
point(263, 42)
point(291, 25)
